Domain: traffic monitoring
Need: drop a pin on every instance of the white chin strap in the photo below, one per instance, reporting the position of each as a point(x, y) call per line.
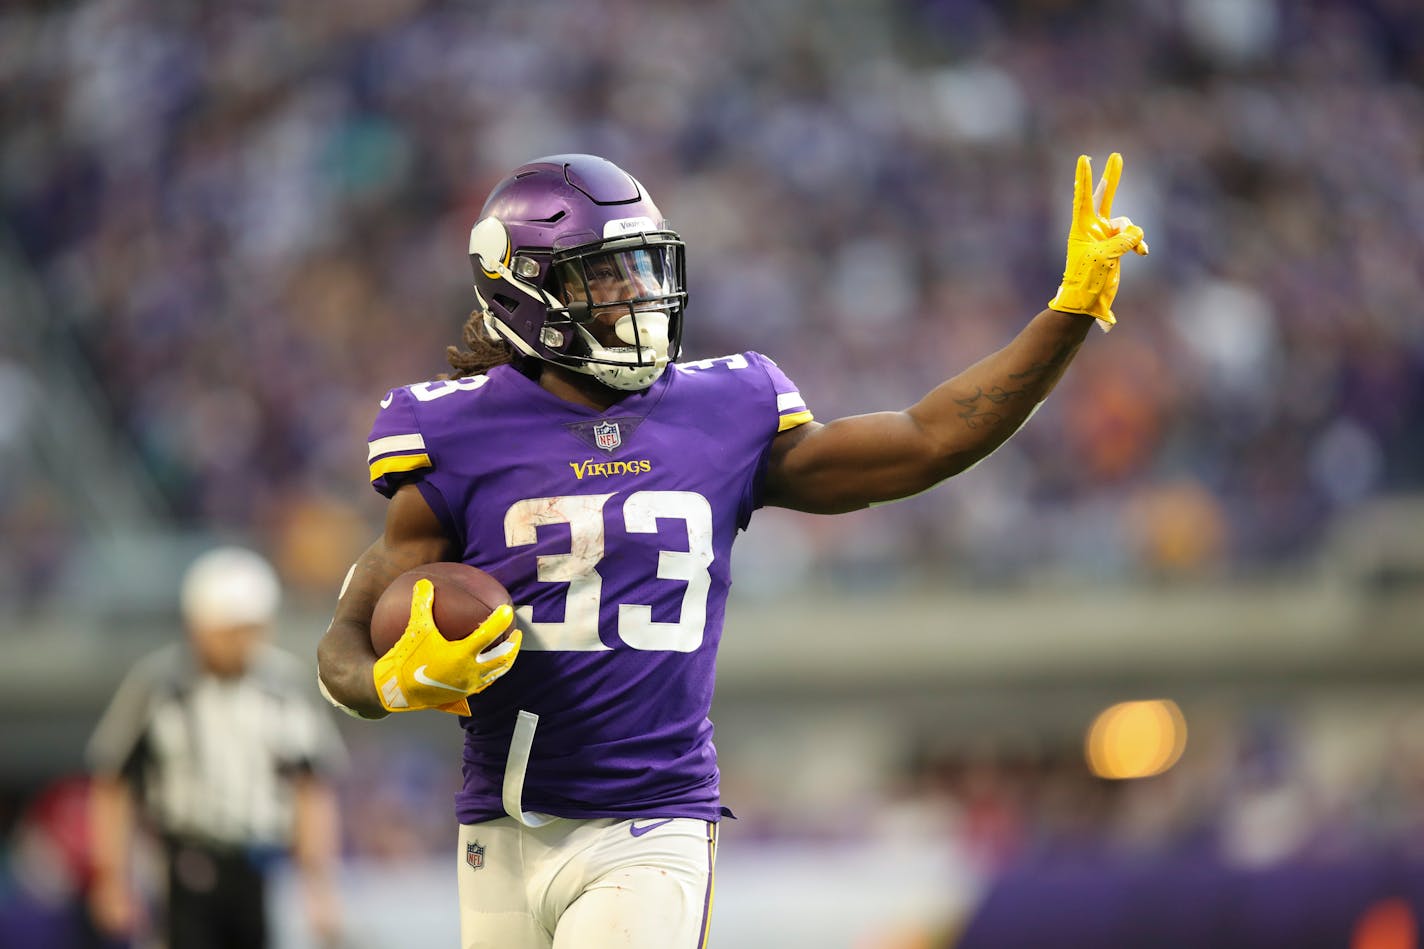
point(649, 346)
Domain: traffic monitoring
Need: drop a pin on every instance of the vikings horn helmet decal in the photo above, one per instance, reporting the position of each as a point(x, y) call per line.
point(568, 240)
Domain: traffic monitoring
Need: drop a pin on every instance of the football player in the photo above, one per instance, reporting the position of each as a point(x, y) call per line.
point(602, 482)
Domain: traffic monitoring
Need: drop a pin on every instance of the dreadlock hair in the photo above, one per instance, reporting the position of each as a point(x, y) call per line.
point(482, 352)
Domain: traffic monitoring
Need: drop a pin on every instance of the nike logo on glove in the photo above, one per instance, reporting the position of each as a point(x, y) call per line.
point(638, 831)
point(424, 679)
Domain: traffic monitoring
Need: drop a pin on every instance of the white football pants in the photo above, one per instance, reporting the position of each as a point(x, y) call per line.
point(587, 884)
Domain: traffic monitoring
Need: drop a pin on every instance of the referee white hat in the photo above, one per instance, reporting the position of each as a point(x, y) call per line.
point(230, 586)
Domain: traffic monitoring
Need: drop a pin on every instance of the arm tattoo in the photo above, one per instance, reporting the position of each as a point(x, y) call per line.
point(978, 409)
point(1055, 365)
point(975, 413)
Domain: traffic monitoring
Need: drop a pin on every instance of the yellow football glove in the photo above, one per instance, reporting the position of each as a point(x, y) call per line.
point(426, 670)
point(1096, 243)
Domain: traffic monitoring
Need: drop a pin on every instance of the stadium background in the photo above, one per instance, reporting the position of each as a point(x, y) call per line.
point(226, 229)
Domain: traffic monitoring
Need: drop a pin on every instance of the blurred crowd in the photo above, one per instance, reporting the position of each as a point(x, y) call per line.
point(1258, 787)
point(246, 221)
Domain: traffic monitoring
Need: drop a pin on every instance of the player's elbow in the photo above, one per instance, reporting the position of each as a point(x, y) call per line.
point(941, 454)
point(929, 474)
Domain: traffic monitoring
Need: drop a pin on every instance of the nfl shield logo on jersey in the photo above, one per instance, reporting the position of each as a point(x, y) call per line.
point(475, 854)
point(606, 436)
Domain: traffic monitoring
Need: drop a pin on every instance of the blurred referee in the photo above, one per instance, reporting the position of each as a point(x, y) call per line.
point(216, 746)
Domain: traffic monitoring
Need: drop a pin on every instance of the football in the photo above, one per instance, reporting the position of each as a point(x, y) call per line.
point(464, 597)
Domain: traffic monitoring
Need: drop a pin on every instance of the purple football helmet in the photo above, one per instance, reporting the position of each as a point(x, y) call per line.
point(569, 241)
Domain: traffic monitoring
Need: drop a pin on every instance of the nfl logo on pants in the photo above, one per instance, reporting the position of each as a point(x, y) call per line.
point(606, 436)
point(475, 854)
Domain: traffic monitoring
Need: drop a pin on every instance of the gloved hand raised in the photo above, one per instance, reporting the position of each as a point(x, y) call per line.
point(1096, 243)
point(426, 670)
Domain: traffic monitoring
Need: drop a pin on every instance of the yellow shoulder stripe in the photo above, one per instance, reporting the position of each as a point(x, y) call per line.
point(794, 419)
point(399, 463)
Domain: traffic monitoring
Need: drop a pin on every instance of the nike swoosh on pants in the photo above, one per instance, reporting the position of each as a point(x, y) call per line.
point(637, 831)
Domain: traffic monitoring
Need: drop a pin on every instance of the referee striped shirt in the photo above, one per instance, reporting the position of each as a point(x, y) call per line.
point(213, 759)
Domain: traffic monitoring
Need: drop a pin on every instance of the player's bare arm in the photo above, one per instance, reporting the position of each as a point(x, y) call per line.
point(412, 536)
point(852, 462)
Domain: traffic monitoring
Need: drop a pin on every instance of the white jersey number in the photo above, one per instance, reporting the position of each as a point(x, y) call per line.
point(578, 567)
point(440, 388)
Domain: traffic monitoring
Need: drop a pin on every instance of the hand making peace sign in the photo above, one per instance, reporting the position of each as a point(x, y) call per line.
point(1096, 243)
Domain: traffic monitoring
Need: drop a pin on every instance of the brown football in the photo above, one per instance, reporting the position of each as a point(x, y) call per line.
point(464, 597)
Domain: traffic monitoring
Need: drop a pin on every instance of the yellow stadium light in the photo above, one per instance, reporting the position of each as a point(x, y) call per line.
point(1136, 739)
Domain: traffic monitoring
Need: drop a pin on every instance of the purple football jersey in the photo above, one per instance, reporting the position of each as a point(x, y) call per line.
point(613, 533)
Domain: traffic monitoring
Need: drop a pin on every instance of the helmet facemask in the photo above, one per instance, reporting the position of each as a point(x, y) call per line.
point(621, 312)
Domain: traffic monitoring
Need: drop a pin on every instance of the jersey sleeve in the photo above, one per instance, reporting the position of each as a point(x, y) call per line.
point(791, 409)
point(396, 450)
point(791, 412)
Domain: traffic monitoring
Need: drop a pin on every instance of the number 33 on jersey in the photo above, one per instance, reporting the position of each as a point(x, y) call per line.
point(613, 532)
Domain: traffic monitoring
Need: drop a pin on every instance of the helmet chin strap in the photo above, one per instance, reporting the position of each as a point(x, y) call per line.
point(647, 338)
point(652, 329)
